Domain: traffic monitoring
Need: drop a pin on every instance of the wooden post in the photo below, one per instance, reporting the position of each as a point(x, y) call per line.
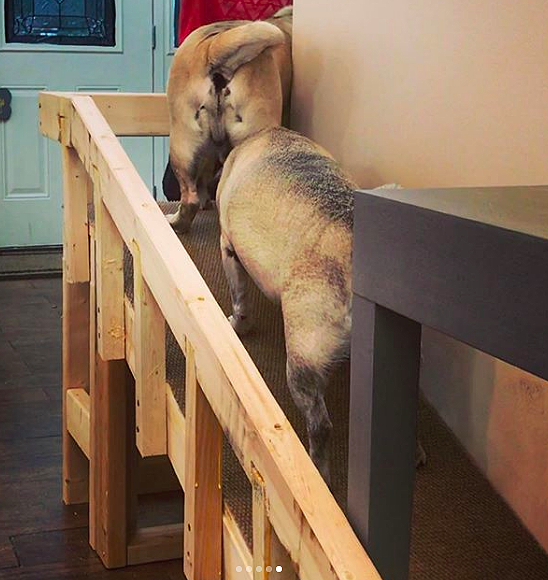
point(150, 372)
point(92, 354)
point(383, 414)
point(76, 192)
point(109, 255)
point(75, 315)
point(203, 530)
point(109, 461)
point(262, 530)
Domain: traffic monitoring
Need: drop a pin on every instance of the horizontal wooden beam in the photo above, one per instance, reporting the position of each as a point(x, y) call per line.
point(134, 113)
point(128, 114)
point(77, 414)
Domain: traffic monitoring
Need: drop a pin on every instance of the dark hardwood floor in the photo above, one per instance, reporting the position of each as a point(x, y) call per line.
point(40, 538)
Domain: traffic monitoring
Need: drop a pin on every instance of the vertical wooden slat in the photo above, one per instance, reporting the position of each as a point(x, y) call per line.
point(92, 358)
point(76, 190)
point(109, 461)
point(109, 250)
point(75, 315)
point(150, 371)
point(203, 494)
point(262, 530)
point(75, 374)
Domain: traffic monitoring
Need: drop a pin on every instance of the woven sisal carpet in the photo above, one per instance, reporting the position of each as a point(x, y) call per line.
point(462, 530)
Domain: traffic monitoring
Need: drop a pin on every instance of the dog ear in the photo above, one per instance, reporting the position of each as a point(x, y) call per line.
point(231, 49)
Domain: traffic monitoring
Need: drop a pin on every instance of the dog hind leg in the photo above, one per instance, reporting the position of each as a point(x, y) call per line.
point(237, 282)
point(307, 388)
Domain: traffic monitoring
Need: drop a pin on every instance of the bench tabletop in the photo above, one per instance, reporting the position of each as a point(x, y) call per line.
point(471, 263)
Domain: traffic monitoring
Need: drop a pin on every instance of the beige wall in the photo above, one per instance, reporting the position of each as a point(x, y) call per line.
point(442, 93)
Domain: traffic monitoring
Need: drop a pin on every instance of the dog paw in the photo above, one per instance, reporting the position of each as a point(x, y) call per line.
point(180, 225)
point(242, 325)
point(172, 218)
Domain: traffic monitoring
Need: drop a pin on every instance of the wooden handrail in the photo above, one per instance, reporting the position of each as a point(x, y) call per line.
point(302, 511)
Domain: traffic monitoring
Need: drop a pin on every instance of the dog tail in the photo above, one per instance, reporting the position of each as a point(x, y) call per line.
point(231, 49)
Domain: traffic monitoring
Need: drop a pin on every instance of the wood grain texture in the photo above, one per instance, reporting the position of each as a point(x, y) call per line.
point(92, 354)
point(176, 437)
point(262, 530)
point(150, 366)
point(77, 411)
point(203, 494)
point(76, 373)
point(126, 113)
point(109, 461)
point(109, 284)
point(76, 191)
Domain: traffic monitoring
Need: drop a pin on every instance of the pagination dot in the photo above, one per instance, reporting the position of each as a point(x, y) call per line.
point(278, 568)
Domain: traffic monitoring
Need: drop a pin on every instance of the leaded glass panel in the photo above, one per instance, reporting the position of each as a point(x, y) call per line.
point(80, 22)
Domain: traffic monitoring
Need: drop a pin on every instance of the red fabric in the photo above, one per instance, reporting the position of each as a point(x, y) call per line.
point(196, 13)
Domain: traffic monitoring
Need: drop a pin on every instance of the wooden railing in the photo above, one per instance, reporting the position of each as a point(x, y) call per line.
point(295, 517)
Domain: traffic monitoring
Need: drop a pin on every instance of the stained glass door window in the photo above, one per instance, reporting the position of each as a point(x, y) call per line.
point(76, 22)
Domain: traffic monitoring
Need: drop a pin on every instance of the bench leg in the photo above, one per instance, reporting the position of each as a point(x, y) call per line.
point(383, 408)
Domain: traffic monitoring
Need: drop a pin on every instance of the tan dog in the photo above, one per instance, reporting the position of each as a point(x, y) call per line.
point(286, 212)
point(228, 81)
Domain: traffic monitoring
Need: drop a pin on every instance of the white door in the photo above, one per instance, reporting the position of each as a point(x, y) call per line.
point(30, 165)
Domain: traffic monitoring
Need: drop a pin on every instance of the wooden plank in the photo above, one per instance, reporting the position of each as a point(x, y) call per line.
point(78, 425)
point(76, 186)
point(383, 415)
point(247, 411)
point(126, 113)
point(134, 113)
point(129, 323)
point(92, 353)
point(176, 436)
point(262, 530)
point(149, 332)
point(75, 376)
point(237, 558)
point(55, 111)
point(76, 275)
point(109, 256)
point(155, 544)
point(109, 461)
point(203, 495)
